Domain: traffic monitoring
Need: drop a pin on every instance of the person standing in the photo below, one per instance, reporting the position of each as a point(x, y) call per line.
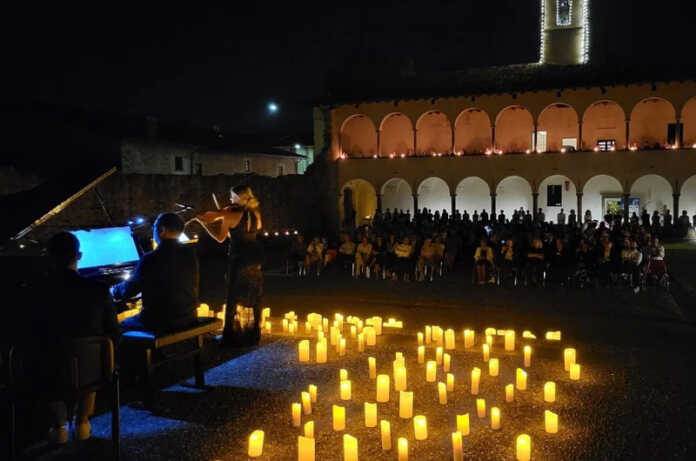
point(561, 218)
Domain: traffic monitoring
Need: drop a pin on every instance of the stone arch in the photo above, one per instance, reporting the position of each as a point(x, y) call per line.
point(598, 193)
point(472, 131)
point(688, 118)
point(514, 126)
point(433, 133)
point(434, 194)
point(560, 122)
point(569, 197)
point(654, 192)
point(358, 136)
point(603, 120)
point(359, 195)
point(473, 193)
point(687, 200)
point(396, 135)
point(397, 195)
point(649, 123)
point(512, 193)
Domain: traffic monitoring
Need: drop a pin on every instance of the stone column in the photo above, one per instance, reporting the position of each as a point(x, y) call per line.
point(453, 140)
point(493, 211)
point(580, 146)
point(379, 202)
point(580, 212)
point(675, 204)
point(415, 204)
point(534, 140)
point(625, 206)
point(379, 144)
point(493, 137)
point(454, 203)
point(628, 134)
point(415, 142)
point(535, 204)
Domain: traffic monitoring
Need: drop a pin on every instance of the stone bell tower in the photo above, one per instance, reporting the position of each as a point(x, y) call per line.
point(565, 32)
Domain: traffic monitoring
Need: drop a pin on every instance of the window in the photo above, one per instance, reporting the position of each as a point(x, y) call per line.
point(570, 144)
point(247, 165)
point(606, 145)
point(178, 164)
point(540, 141)
point(554, 195)
point(564, 12)
point(281, 170)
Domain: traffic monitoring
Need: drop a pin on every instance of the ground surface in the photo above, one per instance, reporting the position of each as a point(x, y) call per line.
point(635, 400)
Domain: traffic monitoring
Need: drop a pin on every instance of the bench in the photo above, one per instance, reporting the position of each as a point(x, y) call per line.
point(150, 342)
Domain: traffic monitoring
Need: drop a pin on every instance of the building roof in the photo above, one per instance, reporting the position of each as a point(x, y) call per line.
point(500, 79)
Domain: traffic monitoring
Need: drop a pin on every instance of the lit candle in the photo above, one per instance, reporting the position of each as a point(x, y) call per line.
point(292, 327)
point(339, 418)
point(449, 339)
point(296, 414)
point(421, 354)
point(521, 381)
point(575, 371)
point(524, 447)
point(442, 392)
point(550, 392)
point(528, 334)
point(481, 408)
point(313, 392)
point(486, 352)
point(509, 393)
point(361, 342)
point(309, 429)
point(325, 324)
point(457, 454)
point(420, 338)
point(450, 382)
point(385, 431)
point(430, 371)
point(303, 350)
point(553, 335)
point(490, 331)
point(489, 340)
point(428, 335)
point(550, 422)
point(255, 444)
point(527, 356)
point(350, 448)
point(307, 327)
point(202, 310)
point(372, 363)
point(403, 449)
point(370, 336)
point(333, 335)
point(437, 335)
point(568, 358)
point(307, 403)
point(383, 388)
point(285, 325)
point(342, 347)
point(495, 418)
point(353, 331)
point(475, 377)
point(345, 390)
point(370, 414)
point(493, 367)
point(305, 448)
point(469, 339)
point(446, 362)
point(420, 426)
point(400, 379)
point(438, 355)
point(265, 313)
point(268, 327)
point(321, 351)
point(463, 424)
point(405, 404)
point(377, 325)
point(342, 374)
point(510, 340)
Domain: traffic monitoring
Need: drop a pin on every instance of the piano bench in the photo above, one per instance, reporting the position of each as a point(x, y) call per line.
point(149, 342)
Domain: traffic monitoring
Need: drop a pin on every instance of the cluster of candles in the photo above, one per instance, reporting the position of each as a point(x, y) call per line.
point(365, 333)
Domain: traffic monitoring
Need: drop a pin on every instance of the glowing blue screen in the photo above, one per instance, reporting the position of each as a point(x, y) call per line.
point(106, 247)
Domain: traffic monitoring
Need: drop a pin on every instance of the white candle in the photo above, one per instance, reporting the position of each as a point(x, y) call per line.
point(553, 335)
point(370, 336)
point(420, 338)
point(489, 340)
point(450, 382)
point(342, 374)
point(342, 347)
point(346, 390)
point(438, 355)
point(550, 392)
point(285, 325)
point(421, 354)
point(437, 335)
point(568, 358)
point(313, 392)
point(370, 414)
point(486, 349)
point(256, 444)
point(430, 371)
point(383, 388)
point(353, 331)
point(469, 339)
point(292, 327)
point(510, 340)
point(481, 408)
point(377, 325)
point(361, 342)
point(305, 448)
point(449, 339)
point(403, 449)
point(321, 351)
point(442, 393)
point(463, 424)
point(495, 418)
point(307, 327)
point(385, 432)
point(575, 371)
point(527, 356)
point(303, 350)
point(490, 331)
point(339, 418)
point(309, 429)
point(428, 335)
point(268, 327)
point(325, 324)
point(372, 363)
point(306, 403)
point(350, 448)
point(400, 379)
point(550, 422)
point(521, 379)
point(420, 426)
point(405, 404)
point(493, 367)
point(475, 377)
point(509, 393)
point(333, 335)
point(524, 447)
point(457, 454)
point(446, 362)
point(296, 414)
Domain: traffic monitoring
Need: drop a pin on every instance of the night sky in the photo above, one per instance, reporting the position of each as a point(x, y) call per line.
point(222, 65)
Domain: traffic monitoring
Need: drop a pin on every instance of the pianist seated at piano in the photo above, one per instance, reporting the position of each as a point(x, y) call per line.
point(167, 277)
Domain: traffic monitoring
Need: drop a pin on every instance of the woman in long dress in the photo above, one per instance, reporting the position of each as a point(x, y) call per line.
point(240, 221)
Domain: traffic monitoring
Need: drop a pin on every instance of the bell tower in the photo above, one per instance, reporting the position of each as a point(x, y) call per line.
point(565, 32)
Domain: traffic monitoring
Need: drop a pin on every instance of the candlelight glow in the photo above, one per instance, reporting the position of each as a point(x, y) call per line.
point(256, 444)
point(524, 447)
point(420, 427)
point(370, 414)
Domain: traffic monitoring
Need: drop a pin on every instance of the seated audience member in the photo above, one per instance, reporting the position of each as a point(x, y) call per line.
point(402, 252)
point(560, 261)
point(296, 255)
point(605, 262)
point(72, 307)
point(426, 257)
point(483, 259)
point(656, 265)
point(535, 260)
point(631, 259)
point(168, 280)
point(379, 255)
point(346, 251)
point(508, 258)
point(314, 258)
point(363, 256)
